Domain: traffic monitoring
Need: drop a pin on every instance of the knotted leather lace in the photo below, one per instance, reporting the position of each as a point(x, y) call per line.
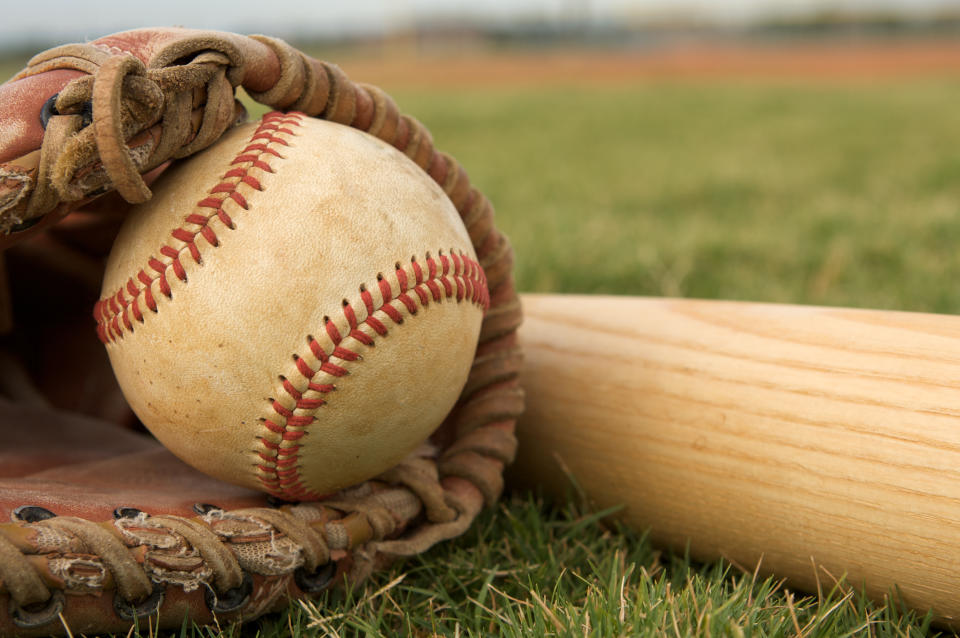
point(143, 117)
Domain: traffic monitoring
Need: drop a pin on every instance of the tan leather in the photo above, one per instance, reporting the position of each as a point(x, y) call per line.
point(48, 74)
point(109, 126)
point(21, 98)
point(318, 212)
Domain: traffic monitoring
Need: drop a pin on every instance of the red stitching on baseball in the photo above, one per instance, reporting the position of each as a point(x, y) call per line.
point(111, 313)
point(332, 331)
point(448, 277)
point(273, 427)
point(454, 278)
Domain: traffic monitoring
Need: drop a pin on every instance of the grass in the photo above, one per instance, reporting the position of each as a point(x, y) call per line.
point(800, 193)
point(531, 569)
point(823, 193)
point(797, 192)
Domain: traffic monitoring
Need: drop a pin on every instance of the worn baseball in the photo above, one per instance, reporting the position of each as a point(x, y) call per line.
point(295, 310)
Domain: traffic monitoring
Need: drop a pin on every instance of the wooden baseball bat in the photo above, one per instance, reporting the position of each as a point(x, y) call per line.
point(824, 441)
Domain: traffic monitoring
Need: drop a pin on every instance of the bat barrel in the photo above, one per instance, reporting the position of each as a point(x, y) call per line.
point(818, 442)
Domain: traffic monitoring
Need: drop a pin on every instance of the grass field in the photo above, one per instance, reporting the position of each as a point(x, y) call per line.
point(792, 191)
point(801, 191)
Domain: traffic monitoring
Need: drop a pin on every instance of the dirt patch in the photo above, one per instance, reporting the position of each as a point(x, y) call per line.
point(402, 66)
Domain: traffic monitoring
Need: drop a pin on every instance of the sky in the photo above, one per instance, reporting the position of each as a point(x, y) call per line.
point(72, 21)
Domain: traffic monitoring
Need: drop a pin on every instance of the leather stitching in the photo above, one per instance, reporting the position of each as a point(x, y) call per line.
point(116, 314)
point(445, 278)
point(452, 276)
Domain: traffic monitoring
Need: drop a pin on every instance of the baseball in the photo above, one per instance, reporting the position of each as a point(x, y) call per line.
point(295, 310)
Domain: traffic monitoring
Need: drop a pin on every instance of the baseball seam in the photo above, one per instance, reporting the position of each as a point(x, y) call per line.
point(448, 277)
point(397, 296)
point(113, 313)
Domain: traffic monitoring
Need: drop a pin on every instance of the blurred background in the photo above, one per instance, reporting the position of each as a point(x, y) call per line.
point(767, 150)
point(791, 151)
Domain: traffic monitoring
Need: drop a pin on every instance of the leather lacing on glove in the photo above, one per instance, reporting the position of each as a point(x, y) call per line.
point(103, 132)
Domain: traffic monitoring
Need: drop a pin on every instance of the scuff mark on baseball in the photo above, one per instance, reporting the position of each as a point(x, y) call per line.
point(295, 310)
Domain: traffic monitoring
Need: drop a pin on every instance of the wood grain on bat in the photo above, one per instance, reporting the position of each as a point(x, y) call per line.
point(791, 433)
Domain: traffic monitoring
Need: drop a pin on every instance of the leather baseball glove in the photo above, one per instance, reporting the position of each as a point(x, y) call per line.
point(106, 527)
